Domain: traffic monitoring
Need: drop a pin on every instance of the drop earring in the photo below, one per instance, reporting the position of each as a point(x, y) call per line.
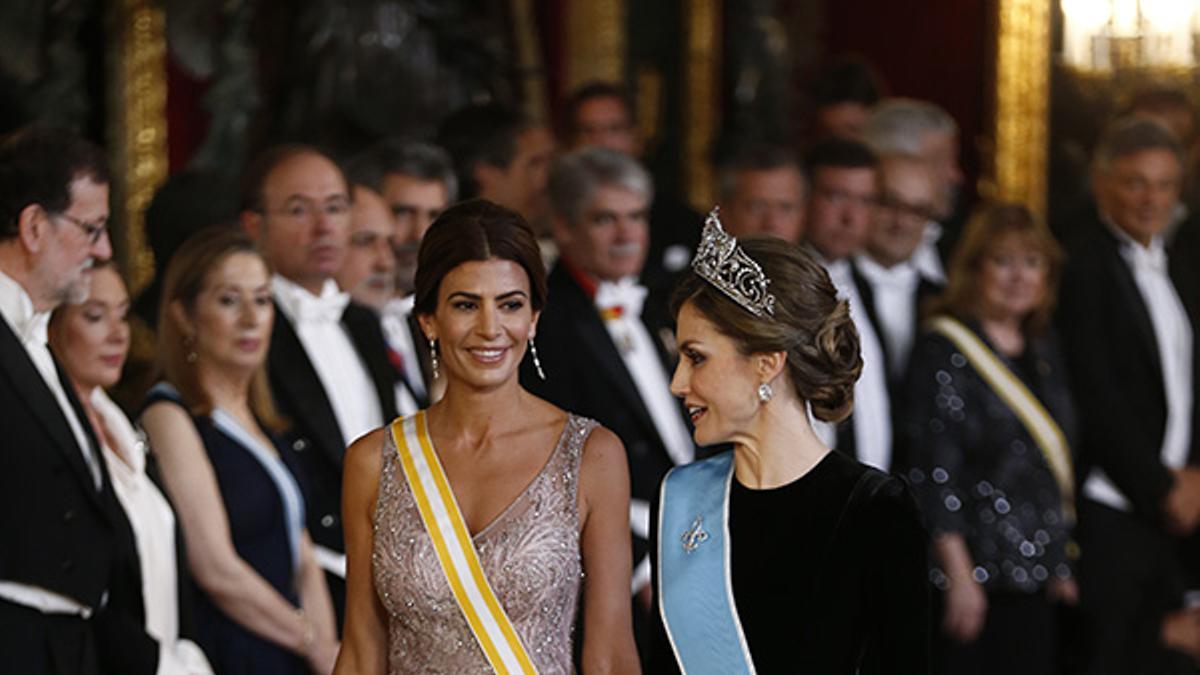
point(433, 360)
point(189, 343)
point(765, 392)
point(537, 364)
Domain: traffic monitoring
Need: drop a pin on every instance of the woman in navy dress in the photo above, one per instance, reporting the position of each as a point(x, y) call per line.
point(263, 607)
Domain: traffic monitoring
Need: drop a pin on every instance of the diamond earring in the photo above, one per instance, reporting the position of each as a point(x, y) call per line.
point(433, 360)
point(765, 392)
point(537, 364)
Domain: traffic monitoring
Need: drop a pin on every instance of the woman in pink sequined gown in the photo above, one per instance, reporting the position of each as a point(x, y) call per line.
point(544, 493)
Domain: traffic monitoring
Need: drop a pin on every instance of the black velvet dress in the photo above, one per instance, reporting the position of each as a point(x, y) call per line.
point(824, 583)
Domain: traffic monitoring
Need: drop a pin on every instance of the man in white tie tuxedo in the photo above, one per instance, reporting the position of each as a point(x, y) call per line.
point(416, 180)
point(603, 339)
point(62, 533)
point(890, 279)
point(328, 362)
point(845, 193)
point(905, 126)
point(1128, 317)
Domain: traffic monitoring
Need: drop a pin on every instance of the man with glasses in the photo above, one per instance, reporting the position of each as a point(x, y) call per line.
point(845, 189)
point(762, 192)
point(890, 279)
point(417, 181)
point(62, 533)
point(328, 363)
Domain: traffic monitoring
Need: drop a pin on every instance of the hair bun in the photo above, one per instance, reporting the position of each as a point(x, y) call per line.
point(838, 364)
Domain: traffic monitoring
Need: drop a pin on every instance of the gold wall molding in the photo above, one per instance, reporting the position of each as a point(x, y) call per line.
point(534, 100)
point(595, 42)
point(702, 68)
point(1022, 98)
point(138, 131)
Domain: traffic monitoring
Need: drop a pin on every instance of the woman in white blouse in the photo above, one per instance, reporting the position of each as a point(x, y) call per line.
point(139, 630)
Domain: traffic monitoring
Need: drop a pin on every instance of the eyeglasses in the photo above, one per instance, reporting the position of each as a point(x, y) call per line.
point(307, 210)
point(92, 231)
point(913, 212)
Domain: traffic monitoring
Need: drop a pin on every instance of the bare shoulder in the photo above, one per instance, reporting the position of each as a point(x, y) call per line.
point(365, 455)
point(169, 426)
point(164, 411)
point(603, 452)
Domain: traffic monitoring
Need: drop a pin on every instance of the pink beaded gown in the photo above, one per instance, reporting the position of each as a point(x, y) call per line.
point(530, 553)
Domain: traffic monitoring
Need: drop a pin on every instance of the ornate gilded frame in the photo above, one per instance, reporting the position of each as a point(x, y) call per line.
point(1020, 127)
point(138, 128)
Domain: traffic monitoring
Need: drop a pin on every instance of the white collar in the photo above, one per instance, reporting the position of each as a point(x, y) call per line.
point(400, 306)
point(625, 293)
point(1154, 255)
point(17, 308)
point(903, 275)
point(302, 307)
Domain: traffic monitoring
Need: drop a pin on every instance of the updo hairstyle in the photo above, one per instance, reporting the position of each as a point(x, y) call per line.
point(810, 324)
point(476, 230)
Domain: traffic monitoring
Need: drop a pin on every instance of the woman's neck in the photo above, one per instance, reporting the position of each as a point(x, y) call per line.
point(226, 389)
point(1005, 333)
point(476, 414)
point(780, 447)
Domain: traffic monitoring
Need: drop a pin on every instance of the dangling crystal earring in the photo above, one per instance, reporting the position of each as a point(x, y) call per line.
point(537, 364)
point(189, 343)
point(765, 392)
point(433, 357)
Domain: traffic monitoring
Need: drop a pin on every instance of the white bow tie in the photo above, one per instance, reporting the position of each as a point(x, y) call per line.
point(626, 294)
point(306, 308)
point(902, 276)
point(32, 329)
point(327, 308)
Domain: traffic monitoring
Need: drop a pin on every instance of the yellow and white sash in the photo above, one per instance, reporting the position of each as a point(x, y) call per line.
point(1036, 419)
point(455, 550)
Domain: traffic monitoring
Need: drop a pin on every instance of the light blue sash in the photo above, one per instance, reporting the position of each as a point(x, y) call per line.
point(695, 589)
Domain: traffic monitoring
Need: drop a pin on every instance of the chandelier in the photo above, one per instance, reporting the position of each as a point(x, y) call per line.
point(1118, 35)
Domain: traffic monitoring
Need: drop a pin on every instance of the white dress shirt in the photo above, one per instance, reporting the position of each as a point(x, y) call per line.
point(895, 296)
point(1173, 337)
point(30, 328)
point(343, 375)
point(926, 258)
point(872, 417)
point(153, 524)
point(394, 320)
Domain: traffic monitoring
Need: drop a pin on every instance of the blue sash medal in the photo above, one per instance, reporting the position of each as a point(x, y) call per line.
point(695, 589)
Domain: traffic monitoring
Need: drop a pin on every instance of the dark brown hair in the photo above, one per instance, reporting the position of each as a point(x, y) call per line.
point(186, 275)
point(476, 230)
point(810, 324)
point(38, 166)
point(990, 223)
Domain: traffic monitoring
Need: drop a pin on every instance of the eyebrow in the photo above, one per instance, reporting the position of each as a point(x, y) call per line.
point(686, 344)
point(477, 297)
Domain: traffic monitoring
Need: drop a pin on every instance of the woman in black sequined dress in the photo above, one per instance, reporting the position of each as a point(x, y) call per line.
point(999, 514)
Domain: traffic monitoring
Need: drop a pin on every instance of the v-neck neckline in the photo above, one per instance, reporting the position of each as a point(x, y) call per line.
point(503, 514)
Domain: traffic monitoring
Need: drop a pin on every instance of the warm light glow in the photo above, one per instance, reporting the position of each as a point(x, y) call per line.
point(1088, 15)
point(1125, 18)
point(1168, 15)
point(1103, 35)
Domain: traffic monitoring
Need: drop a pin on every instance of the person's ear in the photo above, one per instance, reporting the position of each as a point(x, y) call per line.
point(32, 227)
point(180, 316)
point(428, 329)
point(252, 223)
point(768, 365)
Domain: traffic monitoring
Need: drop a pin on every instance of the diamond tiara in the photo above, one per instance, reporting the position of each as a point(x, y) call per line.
point(721, 262)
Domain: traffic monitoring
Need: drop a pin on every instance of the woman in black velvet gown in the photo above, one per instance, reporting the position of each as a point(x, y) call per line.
point(989, 447)
point(825, 558)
